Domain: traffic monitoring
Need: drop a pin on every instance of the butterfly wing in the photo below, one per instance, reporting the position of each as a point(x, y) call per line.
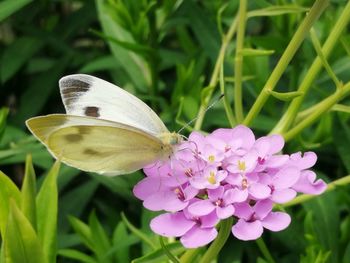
point(85, 95)
point(96, 145)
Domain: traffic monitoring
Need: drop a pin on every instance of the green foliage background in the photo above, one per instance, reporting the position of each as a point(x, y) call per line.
point(164, 52)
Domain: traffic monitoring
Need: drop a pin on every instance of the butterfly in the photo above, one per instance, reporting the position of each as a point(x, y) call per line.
point(106, 129)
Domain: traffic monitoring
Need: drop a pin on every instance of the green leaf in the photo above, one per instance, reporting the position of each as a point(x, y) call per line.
point(47, 202)
point(134, 65)
point(100, 239)
point(285, 96)
point(28, 191)
point(158, 255)
point(325, 214)
point(277, 10)
point(83, 230)
point(3, 116)
point(122, 241)
point(203, 28)
point(8, 190)
point(101, 63)
point(341, 137)
point(8, 7)
point(256, 52)
point(77, 255)
point(21, 243)
point(17, 54)
point(137, 232)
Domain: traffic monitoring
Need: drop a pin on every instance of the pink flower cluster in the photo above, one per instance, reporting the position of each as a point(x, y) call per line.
point(227, 173)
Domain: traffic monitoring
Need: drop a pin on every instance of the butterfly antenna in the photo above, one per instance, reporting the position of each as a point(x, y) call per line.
point(208, 108)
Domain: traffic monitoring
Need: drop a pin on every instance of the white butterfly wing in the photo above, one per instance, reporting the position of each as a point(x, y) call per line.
point(85, 95)
point(96, 145)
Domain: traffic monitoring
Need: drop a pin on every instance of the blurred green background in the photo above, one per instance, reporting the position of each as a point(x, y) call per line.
point(164, 52)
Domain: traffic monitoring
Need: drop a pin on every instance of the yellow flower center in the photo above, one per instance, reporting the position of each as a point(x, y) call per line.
point(241, 165)
point(211, 179)
point(211, 158)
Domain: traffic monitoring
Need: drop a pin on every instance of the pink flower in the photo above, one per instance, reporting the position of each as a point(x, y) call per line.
point(227, 173)
point(194, 231)
point(220, 200)
point(253, 220)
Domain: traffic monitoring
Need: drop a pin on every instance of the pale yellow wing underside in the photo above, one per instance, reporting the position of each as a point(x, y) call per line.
point(95, 145)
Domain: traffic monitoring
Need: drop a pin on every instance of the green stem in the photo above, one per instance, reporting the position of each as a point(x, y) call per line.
point(171, 257)
point(288, 54)
point(219, 242)
point(242, 18)
point(228, 110)
point(323, 107)
point(215, 76)
point(190, 255)
point(288, 118)
point(264, 250)
point(331, 186)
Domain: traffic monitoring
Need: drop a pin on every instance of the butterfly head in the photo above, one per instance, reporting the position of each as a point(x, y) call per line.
point(170, 138)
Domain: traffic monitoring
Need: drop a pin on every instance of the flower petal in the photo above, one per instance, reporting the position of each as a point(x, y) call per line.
point(166, 200)
point(201, 208)
point(283, 195)
point(225, 212)
point(308, 160)
point(171, 225)
point(235, 195)
point(147, 186)
point(262, 208)
point(243, 210)
point(286, 177)
point(259, 191)
point(209, 220)
point(276, 221)
point(198, 237)
point(215, 194)
point(247, 230)
point(307, 184)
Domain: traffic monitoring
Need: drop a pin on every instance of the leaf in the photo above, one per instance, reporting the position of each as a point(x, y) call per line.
point(325, 214)
point(277, 10)
point(8, 191)
point(285, 96)
point(47, 202)
point(101, 63)
point(101, 243)
point(83, 230)
point(17, 54)
point(158, 255)
point(137, 232)
point(21, 243)
point(134, 65)
point(341, 137)
point(122, 241)
point(204, 29)
point(28, 192)
point(77, 255)
point(8, 7)
point(256, 52)
point(3, 116)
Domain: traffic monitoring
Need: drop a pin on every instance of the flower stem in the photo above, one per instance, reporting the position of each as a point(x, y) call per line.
point(242, 17)
point(264, 250)
point(215, 76)
point(219, 242)
point(323, 107)
point(316, 10)
point(288, 118)
point(228, 109)
point(331, 186)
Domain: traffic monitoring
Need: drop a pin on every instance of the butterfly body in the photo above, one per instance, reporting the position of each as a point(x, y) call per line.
point(106, 129)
